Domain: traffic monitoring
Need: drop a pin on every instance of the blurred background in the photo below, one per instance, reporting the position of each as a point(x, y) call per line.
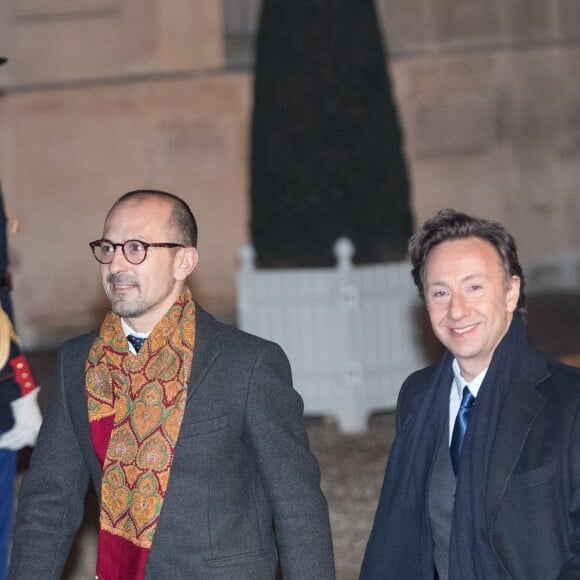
point(103, 96)
point(287, 125)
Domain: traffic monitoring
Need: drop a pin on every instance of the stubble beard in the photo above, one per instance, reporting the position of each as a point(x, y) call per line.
point(123, 305)
point(128, 309)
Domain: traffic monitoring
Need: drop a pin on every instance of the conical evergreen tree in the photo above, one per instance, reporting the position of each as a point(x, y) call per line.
point(326, 142)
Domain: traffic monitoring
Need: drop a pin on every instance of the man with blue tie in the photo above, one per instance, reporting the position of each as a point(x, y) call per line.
point(483, 479)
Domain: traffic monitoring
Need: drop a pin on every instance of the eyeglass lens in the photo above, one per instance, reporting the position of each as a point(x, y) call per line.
point(133, 250)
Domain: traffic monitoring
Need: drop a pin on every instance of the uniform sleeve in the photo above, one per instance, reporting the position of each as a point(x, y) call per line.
point(11, 383)
point(52, 493)
point(289, 471)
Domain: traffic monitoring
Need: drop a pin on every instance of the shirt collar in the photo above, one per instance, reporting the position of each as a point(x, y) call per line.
point(460, 382)
point(128, 330)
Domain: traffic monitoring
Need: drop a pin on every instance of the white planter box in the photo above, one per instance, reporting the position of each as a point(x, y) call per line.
point(351, 332)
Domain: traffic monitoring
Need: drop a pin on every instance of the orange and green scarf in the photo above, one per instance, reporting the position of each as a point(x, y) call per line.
point(136, 405)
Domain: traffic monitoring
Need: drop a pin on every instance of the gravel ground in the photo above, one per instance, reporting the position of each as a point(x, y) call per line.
point(352, 468)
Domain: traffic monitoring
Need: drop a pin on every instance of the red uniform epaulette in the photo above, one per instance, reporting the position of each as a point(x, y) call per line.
point(22, 374)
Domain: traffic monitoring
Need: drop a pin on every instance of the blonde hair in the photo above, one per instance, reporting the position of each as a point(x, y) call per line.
point(7, 334)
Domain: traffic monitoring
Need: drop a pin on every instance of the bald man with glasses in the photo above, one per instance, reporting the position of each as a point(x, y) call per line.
point(189, 430)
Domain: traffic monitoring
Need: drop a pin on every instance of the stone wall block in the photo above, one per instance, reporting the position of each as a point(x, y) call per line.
point(479, 184)
point(541, 203)
point(449, 104)
point(534, 88)
point(528, 21)
point(42, 10)
point(569, 173)
point(56, 42)
point(465, 22)
point(457, 125)
point(438, 77)
point(407, 26)
point(569, 19)
point(570, 139)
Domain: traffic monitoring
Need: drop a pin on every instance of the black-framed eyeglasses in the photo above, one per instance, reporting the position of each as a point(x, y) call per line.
point(135, 251)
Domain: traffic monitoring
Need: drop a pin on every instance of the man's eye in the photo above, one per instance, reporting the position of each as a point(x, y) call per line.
point(439, 294)
point(107, 249)
point(136, 247)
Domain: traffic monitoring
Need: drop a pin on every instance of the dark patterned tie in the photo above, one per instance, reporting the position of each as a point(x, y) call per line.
point(136, 341)
point(461, 422)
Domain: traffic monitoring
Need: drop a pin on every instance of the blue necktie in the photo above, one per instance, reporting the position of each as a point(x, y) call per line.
point(136, 341)
point(461, 422)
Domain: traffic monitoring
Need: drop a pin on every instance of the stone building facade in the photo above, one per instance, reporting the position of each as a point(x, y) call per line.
point(103, 96)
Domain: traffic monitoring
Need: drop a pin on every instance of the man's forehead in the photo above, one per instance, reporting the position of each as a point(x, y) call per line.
point(474, 254)
point(140, 206)
point(140, 214)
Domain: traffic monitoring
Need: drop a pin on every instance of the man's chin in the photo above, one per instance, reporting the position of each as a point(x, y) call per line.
point(126, 310)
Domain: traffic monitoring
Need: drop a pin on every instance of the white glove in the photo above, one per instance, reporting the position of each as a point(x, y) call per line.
point(27, 420)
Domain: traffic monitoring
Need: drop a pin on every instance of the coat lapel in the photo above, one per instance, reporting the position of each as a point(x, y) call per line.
point(75, 363)
point(520, 409)
point(205, 353)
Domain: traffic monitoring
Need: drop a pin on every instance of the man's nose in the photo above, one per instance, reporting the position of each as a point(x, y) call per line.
point(458, 306)
point(119, 263)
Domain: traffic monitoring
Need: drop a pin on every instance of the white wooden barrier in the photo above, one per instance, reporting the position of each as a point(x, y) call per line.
point(351, 332)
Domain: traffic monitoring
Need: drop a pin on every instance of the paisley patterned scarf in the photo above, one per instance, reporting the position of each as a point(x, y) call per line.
point(136, 405)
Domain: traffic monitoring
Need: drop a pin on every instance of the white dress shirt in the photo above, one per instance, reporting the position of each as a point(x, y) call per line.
point(128, 330)
point(456, 392)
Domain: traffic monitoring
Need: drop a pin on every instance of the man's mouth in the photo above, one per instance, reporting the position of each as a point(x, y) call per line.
point(122, 287)
point(463, 330)
point(120, 284)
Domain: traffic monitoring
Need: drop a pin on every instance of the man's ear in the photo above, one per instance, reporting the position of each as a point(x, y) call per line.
point(186, 261)
point(513, 293)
